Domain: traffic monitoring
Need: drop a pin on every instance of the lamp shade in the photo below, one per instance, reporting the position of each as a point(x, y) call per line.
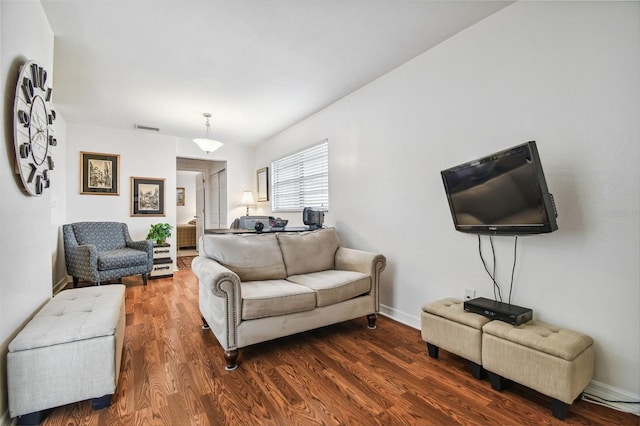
point(247, 198)
point(208, 145)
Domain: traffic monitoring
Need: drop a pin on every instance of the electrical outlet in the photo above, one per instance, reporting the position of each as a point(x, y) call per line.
point(469, 294)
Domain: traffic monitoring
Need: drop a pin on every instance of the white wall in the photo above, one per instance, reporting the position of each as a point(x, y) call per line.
point(186, 180)
point(562, 73)
point(29, 235)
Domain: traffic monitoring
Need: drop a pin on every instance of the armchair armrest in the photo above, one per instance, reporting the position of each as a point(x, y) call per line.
point(220, 299)
point(144, 245)
point(82, 261)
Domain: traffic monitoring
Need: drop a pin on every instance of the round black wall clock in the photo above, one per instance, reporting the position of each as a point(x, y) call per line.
point(33, 128)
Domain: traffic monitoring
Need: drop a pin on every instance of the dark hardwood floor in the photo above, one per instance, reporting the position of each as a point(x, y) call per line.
point(173, 373)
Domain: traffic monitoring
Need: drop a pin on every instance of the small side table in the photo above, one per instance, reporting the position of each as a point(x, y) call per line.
point(162, 261)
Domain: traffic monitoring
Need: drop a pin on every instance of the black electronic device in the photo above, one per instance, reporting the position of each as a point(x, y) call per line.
point(501, 194)
point(501, 311)
point(313, 218)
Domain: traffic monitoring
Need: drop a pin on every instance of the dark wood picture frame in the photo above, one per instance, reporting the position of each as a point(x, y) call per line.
point(262, 178)
point(99, 173)
point(147, 196)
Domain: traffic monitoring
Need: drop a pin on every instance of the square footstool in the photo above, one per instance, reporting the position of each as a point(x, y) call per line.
point(553, 361)
point(446, 325)
point(70, 351)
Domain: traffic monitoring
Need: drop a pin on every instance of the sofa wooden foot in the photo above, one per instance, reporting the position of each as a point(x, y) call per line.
point(75, 282)
point(433, 350)
point(144, 279)
point(205, 325)
point(371, 321)
point(231, 358)
point(102, 402)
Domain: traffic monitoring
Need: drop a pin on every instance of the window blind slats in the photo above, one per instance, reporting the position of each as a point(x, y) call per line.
point(301, 180)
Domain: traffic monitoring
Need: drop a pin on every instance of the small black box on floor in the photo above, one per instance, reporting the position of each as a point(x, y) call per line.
point(493, 309)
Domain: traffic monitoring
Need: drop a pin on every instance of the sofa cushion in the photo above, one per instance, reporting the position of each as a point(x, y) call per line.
point(334, 286)
point(253, 257)
point(271, 298)
point(309, 251)
point(120, 258)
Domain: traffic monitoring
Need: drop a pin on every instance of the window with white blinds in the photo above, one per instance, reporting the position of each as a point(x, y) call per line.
point(301, 180)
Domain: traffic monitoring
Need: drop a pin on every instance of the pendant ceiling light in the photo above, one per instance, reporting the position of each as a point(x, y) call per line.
point(207, 144)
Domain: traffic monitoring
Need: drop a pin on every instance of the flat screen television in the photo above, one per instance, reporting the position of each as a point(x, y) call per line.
point(501, 194)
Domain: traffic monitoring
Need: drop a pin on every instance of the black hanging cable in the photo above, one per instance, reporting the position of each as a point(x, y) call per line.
point(513, 270)
point(495, 276)
point(495, 284)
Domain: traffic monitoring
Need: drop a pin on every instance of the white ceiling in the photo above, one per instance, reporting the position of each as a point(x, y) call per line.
point(259, 66)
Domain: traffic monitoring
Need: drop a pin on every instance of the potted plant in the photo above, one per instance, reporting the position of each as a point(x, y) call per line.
point(159, 232)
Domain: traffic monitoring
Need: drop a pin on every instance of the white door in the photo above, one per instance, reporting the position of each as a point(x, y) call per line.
point(222, 197)
point(214, 202)
point(200, 203)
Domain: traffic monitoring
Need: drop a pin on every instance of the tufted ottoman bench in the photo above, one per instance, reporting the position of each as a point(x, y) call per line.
point(554, 361)
point(446, 325)
point(70, 351)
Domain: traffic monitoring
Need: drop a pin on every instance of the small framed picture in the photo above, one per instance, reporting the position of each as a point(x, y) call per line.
point(99, 173)
point(263, 184)
point(147, 196)
point(179, 196)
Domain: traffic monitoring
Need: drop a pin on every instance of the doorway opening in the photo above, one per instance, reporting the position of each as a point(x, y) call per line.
point(202, 203)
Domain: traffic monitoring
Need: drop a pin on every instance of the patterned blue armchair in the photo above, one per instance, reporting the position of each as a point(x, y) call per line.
point(101, 251)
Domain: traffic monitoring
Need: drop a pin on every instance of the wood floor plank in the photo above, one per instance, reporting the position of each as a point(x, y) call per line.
point(172, 373)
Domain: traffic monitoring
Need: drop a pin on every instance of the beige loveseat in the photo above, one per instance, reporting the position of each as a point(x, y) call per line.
point(258, 287)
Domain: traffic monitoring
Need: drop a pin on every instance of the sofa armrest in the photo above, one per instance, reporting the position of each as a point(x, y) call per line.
point(372, 264)
point(348, 259)
point(219, 299)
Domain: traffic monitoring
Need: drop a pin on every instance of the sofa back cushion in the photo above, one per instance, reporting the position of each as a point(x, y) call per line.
point(309, 251)
point(254, 257)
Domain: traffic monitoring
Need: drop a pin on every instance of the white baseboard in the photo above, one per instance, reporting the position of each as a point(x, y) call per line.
point(607, 393)
point(60, 285)
point(410, 320)
point(5, 420)
point(595, 388)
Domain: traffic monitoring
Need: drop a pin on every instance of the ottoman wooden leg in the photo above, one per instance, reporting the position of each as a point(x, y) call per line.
point(102, 402)
point(559, 409)
point(497, 382)
point(477, 371)
point(34, 418)
point(433, 350)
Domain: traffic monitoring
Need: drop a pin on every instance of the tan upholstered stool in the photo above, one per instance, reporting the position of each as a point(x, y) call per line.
point(69, 351)
point(554, 361)
point(446, 325)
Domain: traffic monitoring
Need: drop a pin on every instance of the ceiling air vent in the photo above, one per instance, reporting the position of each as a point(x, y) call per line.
point(141, 127)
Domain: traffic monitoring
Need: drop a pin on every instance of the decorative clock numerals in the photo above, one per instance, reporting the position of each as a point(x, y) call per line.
point(33, 136)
